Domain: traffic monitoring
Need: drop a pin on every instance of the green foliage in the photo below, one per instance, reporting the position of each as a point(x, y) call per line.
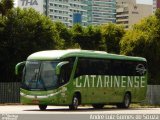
point(157, 13)
point(5, 6)
point(65, 36)
point(23, 32)
point(88, 37)
point(78, 34)
point(112, 35)
point(144, 40)
point(133, 43)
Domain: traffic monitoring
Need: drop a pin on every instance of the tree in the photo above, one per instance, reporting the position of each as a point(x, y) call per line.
point(65, 36)
point(5, 6)
point(78, 34)
point(23, 32)
point(112, 35)
point(133, 43)
point(144, 40)
point(89, 37)
point(157, 13)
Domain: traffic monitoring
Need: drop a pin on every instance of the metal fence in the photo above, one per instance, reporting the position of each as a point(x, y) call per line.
point(153, 94)
point(9, 92)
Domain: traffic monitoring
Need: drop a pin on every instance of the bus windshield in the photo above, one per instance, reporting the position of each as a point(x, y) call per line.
point(40, 75)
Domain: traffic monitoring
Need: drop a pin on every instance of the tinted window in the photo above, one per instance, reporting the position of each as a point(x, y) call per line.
point(66, 71)
point(88, 66)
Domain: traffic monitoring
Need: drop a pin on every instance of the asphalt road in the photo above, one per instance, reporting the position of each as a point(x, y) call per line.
point(33, 109)
point(26, 112)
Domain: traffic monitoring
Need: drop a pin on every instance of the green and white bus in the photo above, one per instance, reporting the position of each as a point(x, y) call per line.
point(82, 77)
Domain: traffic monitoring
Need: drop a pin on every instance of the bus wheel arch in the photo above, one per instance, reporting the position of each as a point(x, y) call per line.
point(126, 100)
point(76, 100)
point(128, 92)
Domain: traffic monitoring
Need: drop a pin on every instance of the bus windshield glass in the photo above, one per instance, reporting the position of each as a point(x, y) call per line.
point(40, 75)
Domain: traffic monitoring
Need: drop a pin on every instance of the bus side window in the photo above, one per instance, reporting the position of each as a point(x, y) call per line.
point(89, 66)
point(82, 67)
point(66, 71)
point(64, 75)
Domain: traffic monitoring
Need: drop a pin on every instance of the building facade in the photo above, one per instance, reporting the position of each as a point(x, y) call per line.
point(36, 4)
point(101, 11)
point(129, 12)
point(156, 4)
point(66, 11)
point(70, 12)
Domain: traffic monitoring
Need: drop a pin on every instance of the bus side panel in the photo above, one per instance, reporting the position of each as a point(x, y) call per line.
point(94, 89)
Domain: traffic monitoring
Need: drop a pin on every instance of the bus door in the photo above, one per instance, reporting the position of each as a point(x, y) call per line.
point(64, 77)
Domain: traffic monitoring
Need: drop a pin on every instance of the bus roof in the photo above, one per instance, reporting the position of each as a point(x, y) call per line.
point(60, 54)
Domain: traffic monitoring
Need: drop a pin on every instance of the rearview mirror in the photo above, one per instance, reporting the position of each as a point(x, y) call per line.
point(59, 66)
point(18, 66)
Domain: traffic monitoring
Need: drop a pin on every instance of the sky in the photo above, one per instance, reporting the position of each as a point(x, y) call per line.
point(145, 1)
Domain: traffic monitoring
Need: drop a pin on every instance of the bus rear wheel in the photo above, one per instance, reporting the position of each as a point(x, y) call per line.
point(126, 101)
point(42, 107)
point(98, 106)
point(75, 103)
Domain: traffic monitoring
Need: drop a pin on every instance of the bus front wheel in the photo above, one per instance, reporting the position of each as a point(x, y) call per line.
point(75, 103)
point(42, 107)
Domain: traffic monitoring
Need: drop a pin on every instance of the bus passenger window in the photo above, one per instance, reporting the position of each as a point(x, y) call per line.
point(64, 75)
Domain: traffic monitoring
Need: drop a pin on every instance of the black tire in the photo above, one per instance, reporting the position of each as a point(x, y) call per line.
point(75, 103)
point(98, 106)
point(126, 101)
point(119, 105)
point(42, 107)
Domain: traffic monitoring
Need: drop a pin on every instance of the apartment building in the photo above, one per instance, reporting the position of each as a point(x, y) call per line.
point(65, 11)
point(101, 11)
point(129, 12)
point(156, 4)
point(70, 12)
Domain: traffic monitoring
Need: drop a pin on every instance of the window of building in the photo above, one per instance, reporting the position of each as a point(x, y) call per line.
point(65, 1)
point(51, 4)
point(51, 16)
point(51, 10)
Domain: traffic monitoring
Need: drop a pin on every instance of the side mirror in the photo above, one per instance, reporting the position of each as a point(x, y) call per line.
point(18, 66)
point(59, 66)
